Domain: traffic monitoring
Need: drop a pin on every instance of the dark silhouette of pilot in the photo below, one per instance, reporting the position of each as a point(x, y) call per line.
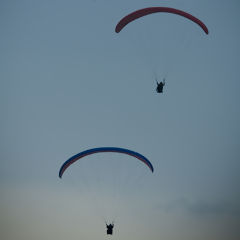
point(110, 228)
point(160, 86)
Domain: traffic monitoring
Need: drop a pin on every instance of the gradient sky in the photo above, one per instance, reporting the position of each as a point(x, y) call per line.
point(69, 83)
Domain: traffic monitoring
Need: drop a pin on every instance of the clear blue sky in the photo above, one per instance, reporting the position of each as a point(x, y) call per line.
point(69, 83)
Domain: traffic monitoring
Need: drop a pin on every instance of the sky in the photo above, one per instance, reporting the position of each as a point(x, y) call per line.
point(70, 83)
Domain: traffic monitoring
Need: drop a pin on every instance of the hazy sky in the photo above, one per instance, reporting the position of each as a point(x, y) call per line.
point(69, 83)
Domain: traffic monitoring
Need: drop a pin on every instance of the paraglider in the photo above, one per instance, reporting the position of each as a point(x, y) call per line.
point(146, 11)
point(150, 10)
point(85, 153)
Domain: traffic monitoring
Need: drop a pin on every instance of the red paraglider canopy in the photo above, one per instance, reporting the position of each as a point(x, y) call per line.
point(146, 11)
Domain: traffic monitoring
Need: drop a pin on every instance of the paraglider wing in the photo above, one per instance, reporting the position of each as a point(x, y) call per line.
point(146, 11)
point(76, 157)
